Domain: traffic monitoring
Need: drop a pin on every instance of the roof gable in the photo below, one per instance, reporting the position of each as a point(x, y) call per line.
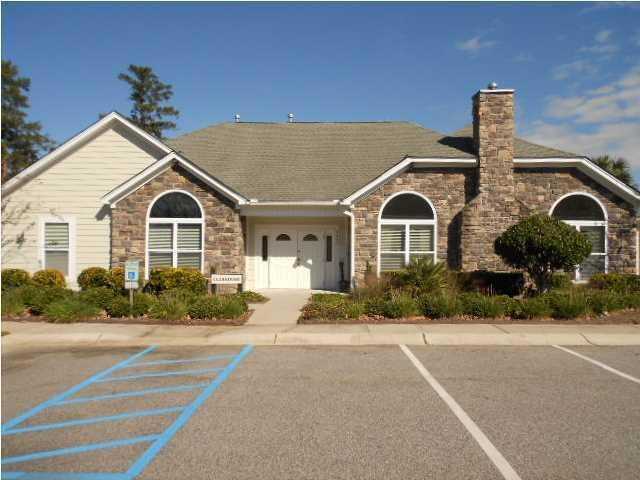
point(112, 120)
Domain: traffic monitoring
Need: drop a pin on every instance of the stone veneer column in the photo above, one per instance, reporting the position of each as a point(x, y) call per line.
point(494, 208)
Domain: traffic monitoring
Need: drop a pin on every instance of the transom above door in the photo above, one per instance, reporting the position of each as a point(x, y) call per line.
point(295, 257)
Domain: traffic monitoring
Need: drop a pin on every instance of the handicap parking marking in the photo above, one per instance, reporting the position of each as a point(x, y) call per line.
point(501, 463)
point(157, 441)
point(597, 363)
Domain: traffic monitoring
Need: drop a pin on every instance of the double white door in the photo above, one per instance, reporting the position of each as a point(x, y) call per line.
point(295, 258)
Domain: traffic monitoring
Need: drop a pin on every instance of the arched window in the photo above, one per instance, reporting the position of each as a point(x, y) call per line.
point(588, 216)
point(407, 229)
point(176, 226)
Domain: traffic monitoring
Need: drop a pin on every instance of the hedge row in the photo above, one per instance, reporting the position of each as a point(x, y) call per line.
point(556, 304)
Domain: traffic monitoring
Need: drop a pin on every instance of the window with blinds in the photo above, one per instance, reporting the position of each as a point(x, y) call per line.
point(407, 230)
point(175, 232)
point(56, 246)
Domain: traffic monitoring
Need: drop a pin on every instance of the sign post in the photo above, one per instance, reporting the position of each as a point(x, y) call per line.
point(131, 278)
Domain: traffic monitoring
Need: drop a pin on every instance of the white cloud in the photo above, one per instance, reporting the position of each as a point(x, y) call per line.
point(603, 36)
point(523, 58)
point(475, 44)
point(599, 6)
point(601, 120)
point(578, 67)
point(614, 102)
point(602, 45)
point(617, 139)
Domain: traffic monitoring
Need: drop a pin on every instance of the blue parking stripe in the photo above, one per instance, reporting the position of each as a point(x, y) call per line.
point(134, 393)
point(73, 390)
point(63, 476)
point(160, 374)
point(80, 449)
point(147, 457)
point(181, 360)
point(89, 421)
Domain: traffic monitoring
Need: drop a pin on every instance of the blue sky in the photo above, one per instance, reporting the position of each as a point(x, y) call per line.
point(575, 67)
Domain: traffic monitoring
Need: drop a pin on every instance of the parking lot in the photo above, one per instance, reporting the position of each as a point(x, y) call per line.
point(321, 412)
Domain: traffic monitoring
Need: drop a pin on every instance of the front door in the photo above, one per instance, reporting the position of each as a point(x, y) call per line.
point(295, 259)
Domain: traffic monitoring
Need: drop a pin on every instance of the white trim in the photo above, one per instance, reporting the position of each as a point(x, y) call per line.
point(407, 223)
point(588, 168)
point(588, 223)
point(253, 202)
point(71, 276)
point(352, 247)
point(38, 167)
point(145, 176)
point(637, 251)
point(174, 221)
point(497, 90)
point(405, 164)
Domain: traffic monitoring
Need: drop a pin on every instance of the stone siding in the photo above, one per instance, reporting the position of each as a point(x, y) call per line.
point(224, 235)
point(447, 188)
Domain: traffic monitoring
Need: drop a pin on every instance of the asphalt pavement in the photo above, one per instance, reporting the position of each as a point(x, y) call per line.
point(376, 412)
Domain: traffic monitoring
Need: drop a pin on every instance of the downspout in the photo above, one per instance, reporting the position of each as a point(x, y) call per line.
point(352, 260)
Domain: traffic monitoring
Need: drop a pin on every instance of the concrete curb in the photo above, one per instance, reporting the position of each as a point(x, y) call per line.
point(345, 335)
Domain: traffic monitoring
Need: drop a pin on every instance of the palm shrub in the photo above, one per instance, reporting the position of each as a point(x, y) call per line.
point(14, 278)
point(423, 275)
point(542, 245)
point(49, 277)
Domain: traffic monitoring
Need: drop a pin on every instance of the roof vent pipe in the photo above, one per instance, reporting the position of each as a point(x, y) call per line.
point(236, 117)
point(492, 86)
point(290, 117)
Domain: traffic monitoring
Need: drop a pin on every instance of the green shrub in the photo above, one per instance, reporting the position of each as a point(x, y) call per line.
point(14, 278)
point(12, 302)
point(70, 309)
point(170, 305)
point(375, 288)
point(400, 305)
point(567, 305)
point(252, 297)
point(482, 306)
point(330, 306)
point(492, 283)
point(354, 309)
point(542, 245)
point(631, 300)
point(116, 275)
point(37, 298)
point(118, 307)
point(97, 296)
point(232, 306)
point(604, 301)
point(561, 281)
point(422, 275)
point(328, 298)
point(206, 307)
point(535, 307)
point(375, 305)
point(49, 277)
point(165, 278)
point(617, 282)
point(142, 303)
point(439, 306)
point(94, 277)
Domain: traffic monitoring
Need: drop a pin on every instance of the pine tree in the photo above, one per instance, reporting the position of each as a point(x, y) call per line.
point(618, 167)
point(148, 95)
point(22, 141)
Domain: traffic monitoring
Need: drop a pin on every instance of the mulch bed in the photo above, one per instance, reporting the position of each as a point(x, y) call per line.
point(615, 318)
point(139, 320)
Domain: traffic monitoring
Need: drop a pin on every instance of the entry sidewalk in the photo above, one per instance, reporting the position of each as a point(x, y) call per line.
point(426, 334)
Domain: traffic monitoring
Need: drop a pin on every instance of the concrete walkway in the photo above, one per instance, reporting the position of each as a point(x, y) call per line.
point(283, 307)
point(426, 334)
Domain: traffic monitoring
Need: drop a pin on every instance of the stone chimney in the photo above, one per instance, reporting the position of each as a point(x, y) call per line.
point(493, 208)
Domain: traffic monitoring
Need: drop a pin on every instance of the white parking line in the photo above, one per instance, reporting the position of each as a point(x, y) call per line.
point(600, 364)
point(491, 451)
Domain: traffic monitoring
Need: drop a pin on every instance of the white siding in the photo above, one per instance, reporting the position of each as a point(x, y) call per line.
point(254, 255)
point(72, 188)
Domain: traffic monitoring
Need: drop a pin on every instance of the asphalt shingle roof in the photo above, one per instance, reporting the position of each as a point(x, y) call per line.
point(318, 161)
